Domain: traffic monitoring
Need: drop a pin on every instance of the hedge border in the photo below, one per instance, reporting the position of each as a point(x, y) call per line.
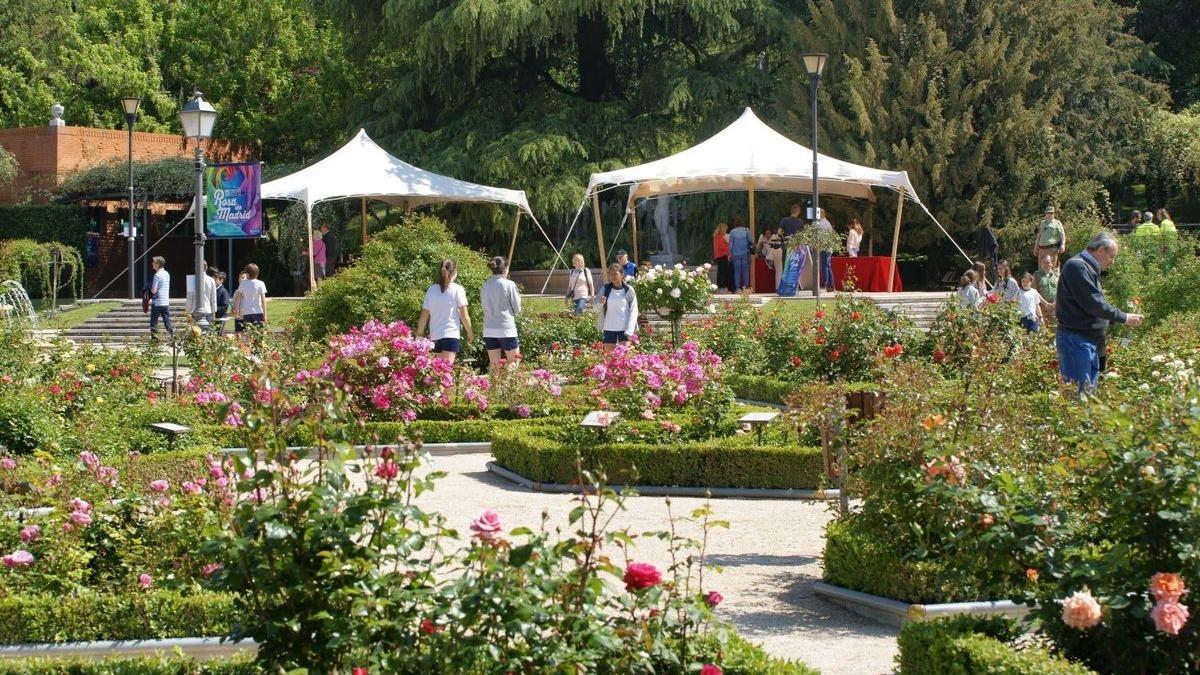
point(967, 645)
point(43, 617)
point(241, 665)
point(722, 463)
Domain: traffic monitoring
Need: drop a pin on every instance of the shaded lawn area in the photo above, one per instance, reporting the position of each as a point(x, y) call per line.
point(280, 310)
point(76, 316)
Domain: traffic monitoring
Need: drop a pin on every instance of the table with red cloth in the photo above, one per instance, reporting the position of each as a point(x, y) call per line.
point(870, 272)
point(764, 276)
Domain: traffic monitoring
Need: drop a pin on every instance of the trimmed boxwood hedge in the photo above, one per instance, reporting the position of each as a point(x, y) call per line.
point(124, 616)
point(968, 645)
point(759, 388)
point(432, 431)
point(857, 559)
point(241, 665)
point(538, 453)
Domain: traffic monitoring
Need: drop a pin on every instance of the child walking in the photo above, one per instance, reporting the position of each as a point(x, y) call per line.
point(1030, 302)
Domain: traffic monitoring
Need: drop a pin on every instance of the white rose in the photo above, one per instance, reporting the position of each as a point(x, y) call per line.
point(707, 266)
point(658, 290)
point(678, 266)
point(699, 270)
point(712, 287)
point(675, 292)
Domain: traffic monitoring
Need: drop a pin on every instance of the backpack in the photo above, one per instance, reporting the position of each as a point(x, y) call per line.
point(602, 310)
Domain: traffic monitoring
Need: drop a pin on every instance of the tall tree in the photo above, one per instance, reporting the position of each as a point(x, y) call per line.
point(537, 95)
point(994, 107)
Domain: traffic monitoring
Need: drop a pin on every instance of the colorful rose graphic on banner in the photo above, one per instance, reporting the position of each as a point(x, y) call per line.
point(234, 203)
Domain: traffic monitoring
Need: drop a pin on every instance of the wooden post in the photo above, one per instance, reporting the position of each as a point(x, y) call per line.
point(364, 221)
point(633, 223)
point(512, 245)
point(600, 236)
point(752, 241)
point(895, 242)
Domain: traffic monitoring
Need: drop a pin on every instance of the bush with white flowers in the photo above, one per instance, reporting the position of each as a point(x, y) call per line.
point(675, 291)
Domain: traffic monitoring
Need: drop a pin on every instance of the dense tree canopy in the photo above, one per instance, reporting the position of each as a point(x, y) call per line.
point(994, 107)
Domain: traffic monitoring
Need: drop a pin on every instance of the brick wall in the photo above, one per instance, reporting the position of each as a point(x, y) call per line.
point(47, 154)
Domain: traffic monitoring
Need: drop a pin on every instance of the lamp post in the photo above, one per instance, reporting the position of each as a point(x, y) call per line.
point(814, 63)
point(198, 117)
point(130, 105)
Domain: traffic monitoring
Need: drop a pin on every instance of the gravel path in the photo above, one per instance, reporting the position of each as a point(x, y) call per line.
point(770, 558)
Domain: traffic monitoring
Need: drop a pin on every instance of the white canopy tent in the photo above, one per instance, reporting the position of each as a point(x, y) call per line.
point(748, 155)
point(362, 169)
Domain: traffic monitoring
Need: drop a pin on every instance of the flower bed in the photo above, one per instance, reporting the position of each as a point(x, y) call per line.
point(547, 454)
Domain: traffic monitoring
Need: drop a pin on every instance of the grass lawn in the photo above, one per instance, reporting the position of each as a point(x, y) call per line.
point(279, 311)
point(798, 309)
point(542, 305)
point(76, 316)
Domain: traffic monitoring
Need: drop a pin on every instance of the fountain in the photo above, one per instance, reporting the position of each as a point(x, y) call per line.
point(15, 305)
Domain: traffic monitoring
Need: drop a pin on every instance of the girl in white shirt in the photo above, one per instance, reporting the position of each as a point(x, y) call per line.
point(618, 309)
point(1005, 283)
point(968, 293)
point(1030, 302)
point(445, 310)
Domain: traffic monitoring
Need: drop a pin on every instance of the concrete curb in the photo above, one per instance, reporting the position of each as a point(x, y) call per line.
point(895, 613)
point(196, 647)
point(669, 490)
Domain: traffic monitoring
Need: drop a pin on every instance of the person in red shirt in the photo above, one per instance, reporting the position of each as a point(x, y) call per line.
point(721, 259)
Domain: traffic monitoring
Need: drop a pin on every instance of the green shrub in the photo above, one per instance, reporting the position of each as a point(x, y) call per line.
point(543, 334)
point(759, 388)
point(431, 431)
point(856, 559)
point(25, 425)
point(968, 645)
point(63, 223)
point(389, 282)
point(737, 656)
point(125, 616)
point(542, 454)
point(241, 665)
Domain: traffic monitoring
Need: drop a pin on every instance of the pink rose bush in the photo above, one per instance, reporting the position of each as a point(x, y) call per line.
point(16, 559)
point(1168, 614)
point(390, 374)
point(521, 390)
point(640, 383)
point(487, 525)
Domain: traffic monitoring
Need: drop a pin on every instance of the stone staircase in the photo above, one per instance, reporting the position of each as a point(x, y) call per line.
point(921, 307)
point(121, 325)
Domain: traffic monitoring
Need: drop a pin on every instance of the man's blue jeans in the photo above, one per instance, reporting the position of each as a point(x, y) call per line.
point(1078, 359)
point(741, 271)
point(163, 312)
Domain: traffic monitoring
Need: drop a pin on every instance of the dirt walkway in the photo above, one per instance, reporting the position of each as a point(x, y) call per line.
point(770, 557)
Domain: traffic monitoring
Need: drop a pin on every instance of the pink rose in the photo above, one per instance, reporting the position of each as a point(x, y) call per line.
point(523, 411)
point(190, 488)
point(31, 533)
point(1169, 616)
point(55, 480)
point(80, 518)
point(8, 463)
point(713, 599)
point(711, 669)
point(387, 470)
point(18, 558)
point(211, 569)
point(160, 485)
point(487, 525)
point(144, 580)
point(640, 576)
point(1081, 611)
point(78, 504)
point(89, 459)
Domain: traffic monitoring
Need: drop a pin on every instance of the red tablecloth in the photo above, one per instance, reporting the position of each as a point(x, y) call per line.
point(764, 277)
point(870, 272)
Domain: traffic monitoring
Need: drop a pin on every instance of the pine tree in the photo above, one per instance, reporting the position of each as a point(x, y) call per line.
point(994, 107)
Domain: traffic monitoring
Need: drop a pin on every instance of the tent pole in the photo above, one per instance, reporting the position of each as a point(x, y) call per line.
point(312, 273)
point(364, 221)
point(512, 246)
point(896, 242)
point(633, 222)
point(752, 235)
point(600, 236)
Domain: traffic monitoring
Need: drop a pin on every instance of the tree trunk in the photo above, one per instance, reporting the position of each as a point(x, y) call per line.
point(596, 72)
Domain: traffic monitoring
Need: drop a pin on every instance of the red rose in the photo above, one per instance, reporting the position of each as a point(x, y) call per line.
point(939, 356)
point(855, 316)
point(796, 361)
point(820, 341)
point(820, 314)
point(359, 670)
point(428, 627)
point(113, 372)
point(55, 389)
point(640, 576)
point(713, 598)
point(993, 298)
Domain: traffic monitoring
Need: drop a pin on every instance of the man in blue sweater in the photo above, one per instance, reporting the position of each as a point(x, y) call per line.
point(1084, 313)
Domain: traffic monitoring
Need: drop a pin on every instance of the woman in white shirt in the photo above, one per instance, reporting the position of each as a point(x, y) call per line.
point(250, 300)
point(501, 304)
point(445, 310)
point(854, 238)
point(1005, 282)
point(580, 288)
point(618, 308)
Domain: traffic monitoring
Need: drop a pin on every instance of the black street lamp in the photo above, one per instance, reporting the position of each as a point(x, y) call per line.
point(130, 105)
point(198, 117)
point(814, 63)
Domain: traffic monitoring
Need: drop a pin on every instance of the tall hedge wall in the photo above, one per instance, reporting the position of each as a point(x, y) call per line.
point(65, 223)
